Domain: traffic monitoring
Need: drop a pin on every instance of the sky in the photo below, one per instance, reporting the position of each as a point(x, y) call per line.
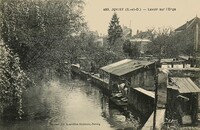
point(98, 19)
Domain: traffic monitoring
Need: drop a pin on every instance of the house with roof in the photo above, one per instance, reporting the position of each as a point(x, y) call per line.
point(137, 73)
point(192, 30)
point(138, 76)
point(182, 99)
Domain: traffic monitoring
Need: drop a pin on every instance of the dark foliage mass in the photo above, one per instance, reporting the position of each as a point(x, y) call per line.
point(13, 81)
point(131, 49)
point(36, 30)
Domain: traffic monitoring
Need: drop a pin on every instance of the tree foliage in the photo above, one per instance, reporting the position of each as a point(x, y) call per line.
point(184, 41)
point(114, 30)
point(89, 52)
point(36, 30)
point(131, 49)
point(37, 34)
point(159, 44)
point(102, 56)
point(166, 43)
point(12, 81)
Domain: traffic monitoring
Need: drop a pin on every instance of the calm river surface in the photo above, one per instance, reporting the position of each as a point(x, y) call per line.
point(69, 105)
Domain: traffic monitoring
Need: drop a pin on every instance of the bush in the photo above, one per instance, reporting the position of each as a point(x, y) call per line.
point(12, 82)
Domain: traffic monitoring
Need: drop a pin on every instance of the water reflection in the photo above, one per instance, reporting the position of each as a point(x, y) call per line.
point(71, 105)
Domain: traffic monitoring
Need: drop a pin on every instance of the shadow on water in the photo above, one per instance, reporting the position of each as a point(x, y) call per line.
point(69, 104)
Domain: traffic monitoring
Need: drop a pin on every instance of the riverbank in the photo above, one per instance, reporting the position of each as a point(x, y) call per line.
point(61, 104)
point(104, 86)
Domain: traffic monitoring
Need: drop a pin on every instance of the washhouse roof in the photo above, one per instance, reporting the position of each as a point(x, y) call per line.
point(184, 85)
point(125, 66)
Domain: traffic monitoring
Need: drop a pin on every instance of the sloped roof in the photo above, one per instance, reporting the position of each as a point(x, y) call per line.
point(125, 66)
point(109, 68)
point(146, 92)
point(188, 24)
point(184, 85)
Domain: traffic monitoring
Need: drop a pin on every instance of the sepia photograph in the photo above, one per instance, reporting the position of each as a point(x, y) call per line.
point(99, 65)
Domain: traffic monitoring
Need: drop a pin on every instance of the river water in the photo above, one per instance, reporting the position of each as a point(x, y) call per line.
point(69, 105)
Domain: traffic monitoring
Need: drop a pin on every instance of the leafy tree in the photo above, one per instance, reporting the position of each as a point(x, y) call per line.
point(160, 42)
point(164, 44)
point(126, 46)
point(131, 49)
point(101, 56)
point(185, 41)
point(12, 83)
point(167, 44)
point(36, 30)
point(115, 30)
point(93, 54)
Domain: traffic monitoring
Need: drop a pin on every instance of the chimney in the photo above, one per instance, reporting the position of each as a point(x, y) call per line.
point(138, 31)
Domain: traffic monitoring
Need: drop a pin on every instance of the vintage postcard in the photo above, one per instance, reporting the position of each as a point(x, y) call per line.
point(99, 64)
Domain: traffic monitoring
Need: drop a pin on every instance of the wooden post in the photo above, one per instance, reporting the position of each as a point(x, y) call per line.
point(197, 37)
point(156, 95)
point(172, 64)
point(196, 43)
point(183, 65)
